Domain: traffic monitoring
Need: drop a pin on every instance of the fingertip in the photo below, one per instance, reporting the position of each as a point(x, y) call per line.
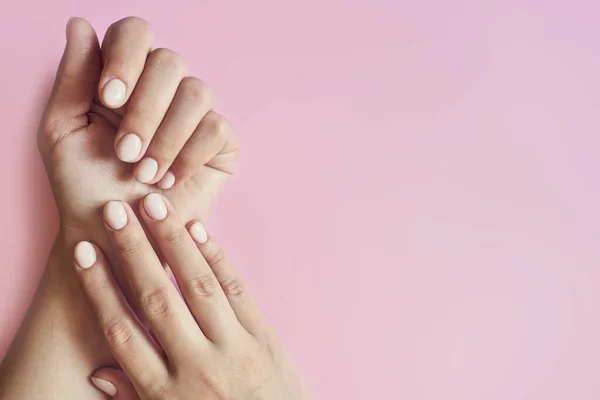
point(155, 206)
point(115, 215)
point(129, 148)
point(113, 93)
point(104, 386)
point(125, 48)
point(167, 181)
point(85, 255)
point(113, 382)
point(198, 232)
point(146, 170)
point(77, 26)
point(67, 27)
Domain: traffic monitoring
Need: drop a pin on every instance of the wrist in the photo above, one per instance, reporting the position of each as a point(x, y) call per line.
point(60, 294)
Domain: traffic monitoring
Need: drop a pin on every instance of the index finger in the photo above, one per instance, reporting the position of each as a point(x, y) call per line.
point(126, 338)
point(124, 51)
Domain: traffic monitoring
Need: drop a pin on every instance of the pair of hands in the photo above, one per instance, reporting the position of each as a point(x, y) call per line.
point(122, 113)
point(127, 136)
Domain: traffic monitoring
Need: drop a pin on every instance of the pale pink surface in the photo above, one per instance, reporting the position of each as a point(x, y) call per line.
point(417, 203)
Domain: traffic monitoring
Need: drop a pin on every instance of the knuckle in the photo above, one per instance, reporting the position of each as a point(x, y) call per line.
point(117, 332)
point(202, 285)
point(174, 236)
point(49, 129)
point(94, 285)
point(53, 130)
point(167, 58)
point(217, 125)
point(163, 146)
point(196, 91)
point(131, 25)
point(217, 260)
point(156, 387)
point(156, 302)
point(128, 246)
point(135, 22)
point(141, 111)
point(233, 289)
point(186, 158)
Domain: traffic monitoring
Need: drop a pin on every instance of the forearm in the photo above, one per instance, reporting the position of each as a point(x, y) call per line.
point(58, 345)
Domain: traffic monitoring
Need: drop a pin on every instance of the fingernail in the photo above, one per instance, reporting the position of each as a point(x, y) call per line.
point(155, 206)
point(104, 386)
point(146, 170)
point(129, 147)
point(85, 254)
point(167, 181)
point(198, 233)
point(114, 92)
point(115, 215)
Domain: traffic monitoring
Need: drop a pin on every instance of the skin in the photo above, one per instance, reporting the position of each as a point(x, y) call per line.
point(78, 134)
point(58, 346)
point(212, 342)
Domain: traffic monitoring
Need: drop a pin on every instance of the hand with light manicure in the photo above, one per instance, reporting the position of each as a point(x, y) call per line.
point(212, 340)
point(125, 120)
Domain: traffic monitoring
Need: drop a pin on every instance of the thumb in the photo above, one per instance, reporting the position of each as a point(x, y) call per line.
point(75, 83)
point(114, 383)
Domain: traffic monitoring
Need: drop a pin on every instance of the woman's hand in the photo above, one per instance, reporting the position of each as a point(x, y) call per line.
point(125, 120)
point(90, 157)
point(212, 341)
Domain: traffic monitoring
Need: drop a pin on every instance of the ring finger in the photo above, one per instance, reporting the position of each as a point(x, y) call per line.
point(191, 103)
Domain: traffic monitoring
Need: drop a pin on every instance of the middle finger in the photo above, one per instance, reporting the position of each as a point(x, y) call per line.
point(197, 282)
point(163, 308)
point(149, 103)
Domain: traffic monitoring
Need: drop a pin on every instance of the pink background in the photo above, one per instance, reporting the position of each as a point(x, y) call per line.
point(417, 207)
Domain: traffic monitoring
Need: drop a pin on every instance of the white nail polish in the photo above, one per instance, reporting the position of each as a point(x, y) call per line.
point(129, 147)
point(115, 215)
point(167, 181)
point(198, 233)
point(113, 93)
point(85, 254)
point(146, 170)
point(155, 206)
point(104, 386)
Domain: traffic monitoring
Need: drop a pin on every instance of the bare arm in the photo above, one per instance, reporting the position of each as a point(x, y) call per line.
point(58, 345)
point(118, 119)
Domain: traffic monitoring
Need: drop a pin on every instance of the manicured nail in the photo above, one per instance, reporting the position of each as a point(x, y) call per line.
point(155, 206)
point(167, 181)
point(114, 92)
point(104, 386)
point(85, 254)
point(146, 170)
point(129, 147)
point(115, 215)
point(198, 233)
